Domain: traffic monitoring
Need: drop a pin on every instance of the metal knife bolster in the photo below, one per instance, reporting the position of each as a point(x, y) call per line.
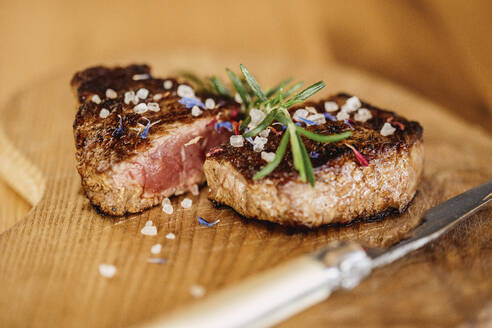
point(346, 263)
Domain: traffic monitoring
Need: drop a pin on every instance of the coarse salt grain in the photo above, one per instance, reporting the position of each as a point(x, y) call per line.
point(104, 113)
point(311, 109)
point(140, 108)
point(156, 249)
point(153, 106)
point(195, 191)
point(362, 115)
point(331, 106)
point(129, 97)
point(237, 98)
point(264, 133)
point(149, 223)
point(210, 103)
point(343, 116)
point(96, 99)
point(157, 97)
point(168, 84)
point(256, 117)
point(387, 129)
point(236, 140)
point(111, 94)
point(171, 236)
point(167, 207)
point(196, 111)
point(267, 156)
point(186, 203)
point(317, 118)
point(149, 230)
point(107, 270)
point(351, 105)
point(300, 113)
point(197, 291)
point(185, 91)
point(142, 93)
point(259, 143)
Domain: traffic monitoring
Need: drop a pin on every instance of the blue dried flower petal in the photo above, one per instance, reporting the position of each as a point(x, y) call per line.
point(226, 125)
point(145, 132)
point(313, 154)
point(308, 122)
point(190, 102)
point(204, 222)
point(118, 132)
point(347, 122)
point(330, 117)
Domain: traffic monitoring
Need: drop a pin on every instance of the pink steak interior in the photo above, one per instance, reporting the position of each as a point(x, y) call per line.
point(170, 165)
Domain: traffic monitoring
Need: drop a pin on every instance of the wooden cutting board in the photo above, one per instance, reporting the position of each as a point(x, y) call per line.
point(49, 260)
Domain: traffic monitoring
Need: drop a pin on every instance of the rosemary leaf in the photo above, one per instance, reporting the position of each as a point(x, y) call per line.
point(245, 123)
point(296, 152)
point(323, 138)
point(306, 93)
point(253, 84)
point(276, 161)
point(262, 126)
point(293, 89)
point(307, 163)
point(239, 86)
point(219, 86)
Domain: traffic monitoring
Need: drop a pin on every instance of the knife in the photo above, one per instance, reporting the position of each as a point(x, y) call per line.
point(270, 297)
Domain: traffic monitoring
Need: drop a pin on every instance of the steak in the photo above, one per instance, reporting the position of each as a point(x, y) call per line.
point(140, 139)
point(374, 171)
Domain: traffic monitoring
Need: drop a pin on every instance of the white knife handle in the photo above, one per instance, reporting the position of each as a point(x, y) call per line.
point(272, 296)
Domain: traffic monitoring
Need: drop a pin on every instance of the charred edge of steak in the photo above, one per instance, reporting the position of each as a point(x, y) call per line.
point(366, 138)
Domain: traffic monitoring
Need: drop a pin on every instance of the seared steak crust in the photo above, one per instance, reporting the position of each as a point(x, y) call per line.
point(104, 145)
point(344, 189)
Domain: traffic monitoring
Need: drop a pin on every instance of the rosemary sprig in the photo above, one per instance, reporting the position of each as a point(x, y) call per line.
point(275, 103)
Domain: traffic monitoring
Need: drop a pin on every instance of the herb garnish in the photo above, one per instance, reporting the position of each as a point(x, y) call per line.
point(274, 103)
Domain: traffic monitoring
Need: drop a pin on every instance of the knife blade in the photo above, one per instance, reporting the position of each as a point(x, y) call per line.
point(270, 297)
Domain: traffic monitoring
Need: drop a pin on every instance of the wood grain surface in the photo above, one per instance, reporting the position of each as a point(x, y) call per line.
point(49, 264)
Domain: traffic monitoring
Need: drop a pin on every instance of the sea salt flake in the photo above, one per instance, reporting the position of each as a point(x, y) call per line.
point(141, 108)
point(267, 156)
point(210, 103)
point(168, 84)
point(96, 99)
point(186, 203)
point(107, 270)
point(331, 106)
point(156, 249)
point(256, 117)
point(351, 105)
point(197, 291)
point(264, 133)
point(343, 116)
point(387, 129)
point(167, 208)
point(185, 91)
point(104, 113)
point(129, 97)
point(153, 106)
point(196, 111)
point(300, 113)
point(236, 140)
point(311, 109)
point(238, 98)
point(149, 230)
point(171, 236)
point(149, 223)
point(111, 94)
point(317, 118)
point(157, 97)
point(259, 143)
point(362, 115)
point(142, 93)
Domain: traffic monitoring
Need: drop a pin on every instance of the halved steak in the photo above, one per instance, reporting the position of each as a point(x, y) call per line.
point(376, 169)
point(140, 139)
